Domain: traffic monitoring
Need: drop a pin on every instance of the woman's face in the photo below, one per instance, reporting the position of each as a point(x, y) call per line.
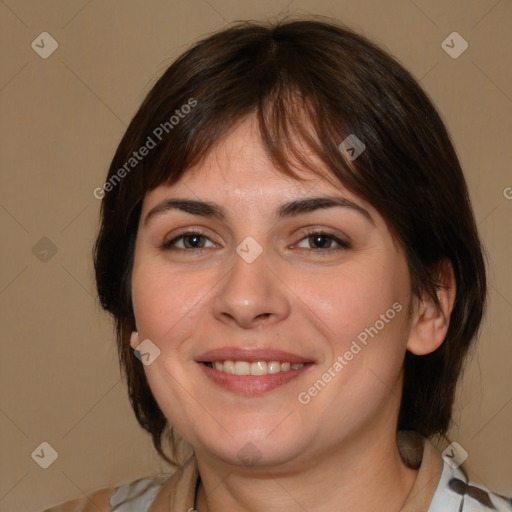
point(255, 273)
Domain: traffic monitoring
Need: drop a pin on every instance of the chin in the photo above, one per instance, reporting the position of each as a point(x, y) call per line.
point(257, 449)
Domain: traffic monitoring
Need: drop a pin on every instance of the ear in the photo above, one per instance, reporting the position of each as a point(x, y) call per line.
point(134, 339)
point(429, 324)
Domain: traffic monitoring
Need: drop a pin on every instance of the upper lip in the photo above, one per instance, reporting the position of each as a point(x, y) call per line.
point(250, 355)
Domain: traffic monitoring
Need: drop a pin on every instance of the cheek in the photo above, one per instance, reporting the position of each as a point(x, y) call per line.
point(164, 301)
point(362, 312)
point(350, 300)
point(166, 305)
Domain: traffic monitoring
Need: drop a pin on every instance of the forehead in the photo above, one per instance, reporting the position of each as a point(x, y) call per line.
point(238, 168)
point(241, 158)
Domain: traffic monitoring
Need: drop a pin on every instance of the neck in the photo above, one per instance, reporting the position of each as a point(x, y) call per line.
point(365, 474)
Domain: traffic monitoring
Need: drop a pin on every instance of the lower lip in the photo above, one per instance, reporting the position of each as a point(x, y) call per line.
point(252, 384)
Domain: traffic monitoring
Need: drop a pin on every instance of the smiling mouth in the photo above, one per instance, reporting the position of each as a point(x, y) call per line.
point(256, 368)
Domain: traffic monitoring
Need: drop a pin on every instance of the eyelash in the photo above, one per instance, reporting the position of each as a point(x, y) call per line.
point(343, 245)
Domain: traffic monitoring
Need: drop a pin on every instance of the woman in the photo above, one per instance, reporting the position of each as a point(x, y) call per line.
point(289, 252)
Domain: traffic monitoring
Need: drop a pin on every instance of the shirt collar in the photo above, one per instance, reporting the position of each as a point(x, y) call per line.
point(178, 493)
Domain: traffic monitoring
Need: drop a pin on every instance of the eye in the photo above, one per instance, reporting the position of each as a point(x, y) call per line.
point(188, 240)
point(322, 241)
point(314, 241)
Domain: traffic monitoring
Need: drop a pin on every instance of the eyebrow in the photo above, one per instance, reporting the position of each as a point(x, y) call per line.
point(290, 209)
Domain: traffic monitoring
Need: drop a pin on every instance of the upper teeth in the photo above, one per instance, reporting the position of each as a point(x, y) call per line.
point(255, 368)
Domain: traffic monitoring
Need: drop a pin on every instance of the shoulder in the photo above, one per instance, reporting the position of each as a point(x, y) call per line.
point(94, 501)
point(135, 496)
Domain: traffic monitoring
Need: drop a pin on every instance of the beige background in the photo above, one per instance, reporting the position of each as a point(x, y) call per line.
point(62, 118)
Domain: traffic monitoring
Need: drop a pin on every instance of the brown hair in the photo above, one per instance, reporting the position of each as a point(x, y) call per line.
point(316, 82)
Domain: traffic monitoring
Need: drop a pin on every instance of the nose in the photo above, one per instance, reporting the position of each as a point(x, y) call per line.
point(251, 294)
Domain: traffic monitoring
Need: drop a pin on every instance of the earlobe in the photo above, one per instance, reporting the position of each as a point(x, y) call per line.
point(134, 339)
point(430, 324)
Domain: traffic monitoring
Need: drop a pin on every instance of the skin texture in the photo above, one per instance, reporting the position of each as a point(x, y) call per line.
point(337, 452)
